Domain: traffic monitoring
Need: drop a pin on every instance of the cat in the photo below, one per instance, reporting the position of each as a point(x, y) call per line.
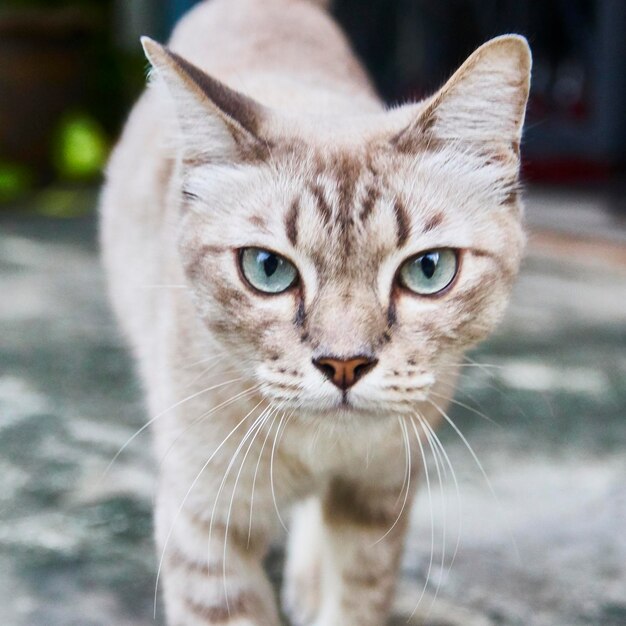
point(298, 271)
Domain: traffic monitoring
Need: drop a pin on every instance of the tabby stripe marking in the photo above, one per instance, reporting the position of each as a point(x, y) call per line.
point(372, 195)
point(291, 222)
point(403, 222)
point(345, 504)
point(322, 205)
point(435, 221)
point(244, 604)
point(178, 560)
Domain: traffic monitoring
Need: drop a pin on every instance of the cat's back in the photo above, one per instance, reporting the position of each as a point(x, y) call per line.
point(287, 54)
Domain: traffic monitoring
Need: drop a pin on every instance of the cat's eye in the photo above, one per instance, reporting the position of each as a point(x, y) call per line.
point(267, 271)
point(429, 272)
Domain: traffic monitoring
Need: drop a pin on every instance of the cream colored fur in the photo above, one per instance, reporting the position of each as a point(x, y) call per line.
point(311, 165)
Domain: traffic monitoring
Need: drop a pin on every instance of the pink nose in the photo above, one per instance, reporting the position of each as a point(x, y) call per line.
point(344, 372)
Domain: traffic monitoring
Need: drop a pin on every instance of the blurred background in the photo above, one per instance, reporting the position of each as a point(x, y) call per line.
point(71, 69)
point(549, 550)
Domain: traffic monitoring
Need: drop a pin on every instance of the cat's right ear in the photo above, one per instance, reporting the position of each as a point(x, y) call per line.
point(483, 104)
point(218, 124)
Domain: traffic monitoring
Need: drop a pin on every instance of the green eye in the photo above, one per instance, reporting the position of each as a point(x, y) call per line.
point(430, 272)
point(267, 271)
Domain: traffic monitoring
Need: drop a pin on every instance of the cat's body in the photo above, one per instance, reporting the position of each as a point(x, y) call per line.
point(246, 420)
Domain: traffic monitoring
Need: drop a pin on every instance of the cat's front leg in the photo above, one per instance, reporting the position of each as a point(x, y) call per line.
point(218, 583)
point(303, 565)
point(364, 529)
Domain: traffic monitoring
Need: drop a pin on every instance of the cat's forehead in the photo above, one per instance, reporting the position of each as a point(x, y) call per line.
point(345, 206)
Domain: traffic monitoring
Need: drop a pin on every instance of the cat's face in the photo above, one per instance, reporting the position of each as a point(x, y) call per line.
point(348, 264)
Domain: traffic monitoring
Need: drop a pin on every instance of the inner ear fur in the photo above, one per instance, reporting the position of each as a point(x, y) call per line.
point(484, 102)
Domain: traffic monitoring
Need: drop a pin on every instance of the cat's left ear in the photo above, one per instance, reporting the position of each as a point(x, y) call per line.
point(217, 122)
point(483, 104)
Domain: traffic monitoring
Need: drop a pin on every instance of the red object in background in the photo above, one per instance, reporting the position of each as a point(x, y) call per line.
point(566, 170)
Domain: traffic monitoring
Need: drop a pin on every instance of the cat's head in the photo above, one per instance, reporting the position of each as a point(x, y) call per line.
point(347, 261)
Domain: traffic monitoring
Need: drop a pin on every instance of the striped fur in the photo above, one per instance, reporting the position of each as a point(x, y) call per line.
point(298, 155)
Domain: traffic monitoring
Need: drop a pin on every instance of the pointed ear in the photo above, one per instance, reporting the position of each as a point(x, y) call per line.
point(218, 123)
point(483, 103)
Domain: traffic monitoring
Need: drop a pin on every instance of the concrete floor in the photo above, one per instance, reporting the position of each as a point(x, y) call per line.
point(548, 549)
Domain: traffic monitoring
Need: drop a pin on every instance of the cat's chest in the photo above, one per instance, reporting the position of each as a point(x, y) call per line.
point(372, 455)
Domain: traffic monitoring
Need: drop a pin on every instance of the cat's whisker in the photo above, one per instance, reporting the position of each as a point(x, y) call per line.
point(432, 516)
point(465, 406)
point(506, 396)
point(210, 377)
point(266, 416)
point(243, 394)
point(161, 414)
point(485, 366)
point(230, 360)
point(423, 423)
point(407, 459)
point(405, 436)
point(274, 446)
point(182, 504)
point(250, 434)
point(460, 390)
point(272, 460)
point(251, 429)
point(466, 375)
point(478, 463)
point(444, 454)
point(272, 416)
point(225, 403)
point(436, 459)
point(456, 389)
point(466, 443)
point(212, 357)
point(475, 363)
point(215, 362)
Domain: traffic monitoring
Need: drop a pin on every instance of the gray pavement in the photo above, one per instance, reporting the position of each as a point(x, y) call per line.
point(546, 548)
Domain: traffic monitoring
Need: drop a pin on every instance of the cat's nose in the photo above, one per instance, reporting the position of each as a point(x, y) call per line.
point(344, 372)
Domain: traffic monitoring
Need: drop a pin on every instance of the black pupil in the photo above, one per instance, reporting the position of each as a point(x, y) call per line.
point(270, 263)
point(429, 264)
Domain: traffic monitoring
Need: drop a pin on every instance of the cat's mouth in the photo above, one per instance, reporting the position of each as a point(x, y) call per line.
point(346, 406)
point(346, 402)
point(340, 406)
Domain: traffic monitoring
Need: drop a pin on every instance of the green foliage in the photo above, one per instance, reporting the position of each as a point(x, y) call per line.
point(15, 181)
point(80, 149)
